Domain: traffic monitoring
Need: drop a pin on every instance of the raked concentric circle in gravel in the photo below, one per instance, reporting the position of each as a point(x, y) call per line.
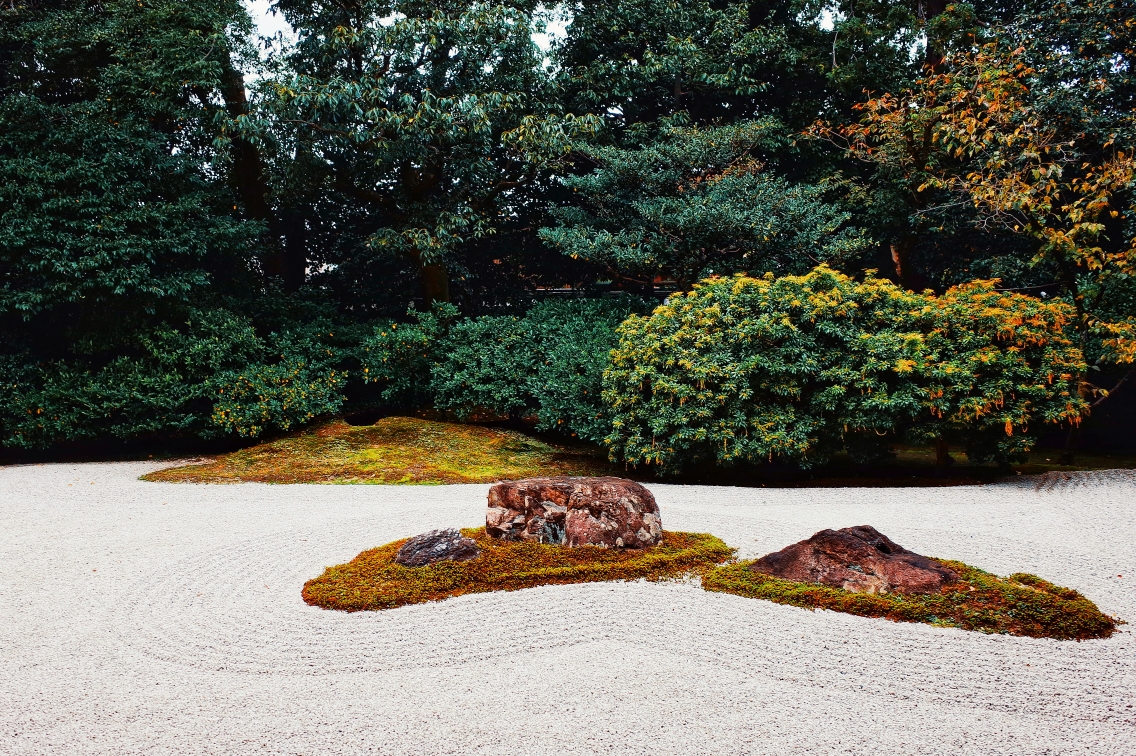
point(159, 618)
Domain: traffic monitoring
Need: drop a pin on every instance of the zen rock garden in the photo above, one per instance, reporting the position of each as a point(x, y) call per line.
point(554, 530)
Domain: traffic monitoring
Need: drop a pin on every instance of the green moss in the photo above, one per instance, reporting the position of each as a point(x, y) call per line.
point(395, 450)
point(1021, 604)
point(372, 580)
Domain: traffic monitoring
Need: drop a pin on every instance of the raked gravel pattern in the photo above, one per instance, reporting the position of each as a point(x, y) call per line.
point(152, 618)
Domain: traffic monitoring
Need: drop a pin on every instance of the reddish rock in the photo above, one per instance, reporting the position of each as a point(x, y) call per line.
point(435, 546)
point(608, 512)
point(859, 559)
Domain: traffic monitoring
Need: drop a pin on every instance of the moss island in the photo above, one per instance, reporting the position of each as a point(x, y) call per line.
point(373, 580)
point(1020, 604)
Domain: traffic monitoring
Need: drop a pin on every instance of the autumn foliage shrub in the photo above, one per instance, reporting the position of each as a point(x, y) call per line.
point(995, 367)
point(798, 368)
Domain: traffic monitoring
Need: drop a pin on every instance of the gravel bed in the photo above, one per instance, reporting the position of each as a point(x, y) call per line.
point(151, 618)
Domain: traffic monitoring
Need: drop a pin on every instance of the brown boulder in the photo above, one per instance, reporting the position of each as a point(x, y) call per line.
point(859, 559)
point(435, 546)
point(607, 512)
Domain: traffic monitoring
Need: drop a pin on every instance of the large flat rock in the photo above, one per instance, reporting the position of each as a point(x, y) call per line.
point(859, 559)
point(607, 512)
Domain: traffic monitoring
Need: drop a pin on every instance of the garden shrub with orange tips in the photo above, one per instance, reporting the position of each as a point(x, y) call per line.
point(995, 364)
point(1020, 604)
point(373, 580)
point(798, 368)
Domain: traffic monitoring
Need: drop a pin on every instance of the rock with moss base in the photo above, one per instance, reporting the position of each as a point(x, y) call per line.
point(859, 559)
point(570, 511)
point(435, 546)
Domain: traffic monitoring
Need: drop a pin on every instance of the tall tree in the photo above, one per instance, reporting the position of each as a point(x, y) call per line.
point(109, 209)
point(697, 202)
point(1033, 135)
point(434, 118)
point(636, 62)
point(124, 252)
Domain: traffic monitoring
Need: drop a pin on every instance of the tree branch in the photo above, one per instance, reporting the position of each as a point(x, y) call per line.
point(1121, 382)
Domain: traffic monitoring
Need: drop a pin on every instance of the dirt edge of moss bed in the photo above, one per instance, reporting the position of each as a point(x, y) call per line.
point(1021, 604)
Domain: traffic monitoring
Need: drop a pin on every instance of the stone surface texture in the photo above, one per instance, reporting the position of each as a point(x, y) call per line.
point(447, 545)
point(607, 512)
point(860, 559)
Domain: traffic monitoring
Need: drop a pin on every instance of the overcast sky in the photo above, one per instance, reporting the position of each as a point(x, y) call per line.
point(270, 23)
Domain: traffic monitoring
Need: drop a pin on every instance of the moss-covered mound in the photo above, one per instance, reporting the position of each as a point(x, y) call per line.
point(372, 580)
point(1018, 605)
point(394, 450)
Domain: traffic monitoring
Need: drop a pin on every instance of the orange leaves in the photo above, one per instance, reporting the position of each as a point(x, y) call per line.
point(974, 127)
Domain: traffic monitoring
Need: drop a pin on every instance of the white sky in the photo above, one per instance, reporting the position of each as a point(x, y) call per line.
point(269, 24)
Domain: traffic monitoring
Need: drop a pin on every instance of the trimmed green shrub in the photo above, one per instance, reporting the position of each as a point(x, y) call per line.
point(548, 364)
point(399, 356)
point(798, 368)
point(212, 376)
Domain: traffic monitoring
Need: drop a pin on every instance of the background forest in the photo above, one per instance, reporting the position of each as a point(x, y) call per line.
point(691, 230)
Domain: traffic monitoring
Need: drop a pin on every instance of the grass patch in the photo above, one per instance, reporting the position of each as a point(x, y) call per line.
point(1021, 604)
point(372, 580)
point(394, 450)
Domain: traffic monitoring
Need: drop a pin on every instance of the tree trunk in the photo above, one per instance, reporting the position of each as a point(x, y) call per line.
point(901, 249)
point(295, 258)
point(1068, 454)
point(927, 10)
point(943, 458)
point(286, 262)
point(435, 283)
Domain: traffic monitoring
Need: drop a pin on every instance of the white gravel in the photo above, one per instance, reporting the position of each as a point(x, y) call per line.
point(146, 618)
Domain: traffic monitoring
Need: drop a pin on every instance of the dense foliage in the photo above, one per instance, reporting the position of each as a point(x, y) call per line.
point(800, 367)
point(547, 365)
point(205, 235)
point(122, 256)
point(697, 202)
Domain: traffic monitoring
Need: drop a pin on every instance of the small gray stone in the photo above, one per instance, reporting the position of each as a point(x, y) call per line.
point(447, 545)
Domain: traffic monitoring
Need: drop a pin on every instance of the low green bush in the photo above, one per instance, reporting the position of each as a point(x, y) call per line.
point(399, 356)
point(798, 368)
point(211, 375)
point(547, 364)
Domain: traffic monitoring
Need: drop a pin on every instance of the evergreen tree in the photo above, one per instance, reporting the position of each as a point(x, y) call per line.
point(123, 252)
point(430, 122)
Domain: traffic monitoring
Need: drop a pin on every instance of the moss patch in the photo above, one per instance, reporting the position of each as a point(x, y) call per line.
point(1021, 604)
point(372, 580)
point(393, 450)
